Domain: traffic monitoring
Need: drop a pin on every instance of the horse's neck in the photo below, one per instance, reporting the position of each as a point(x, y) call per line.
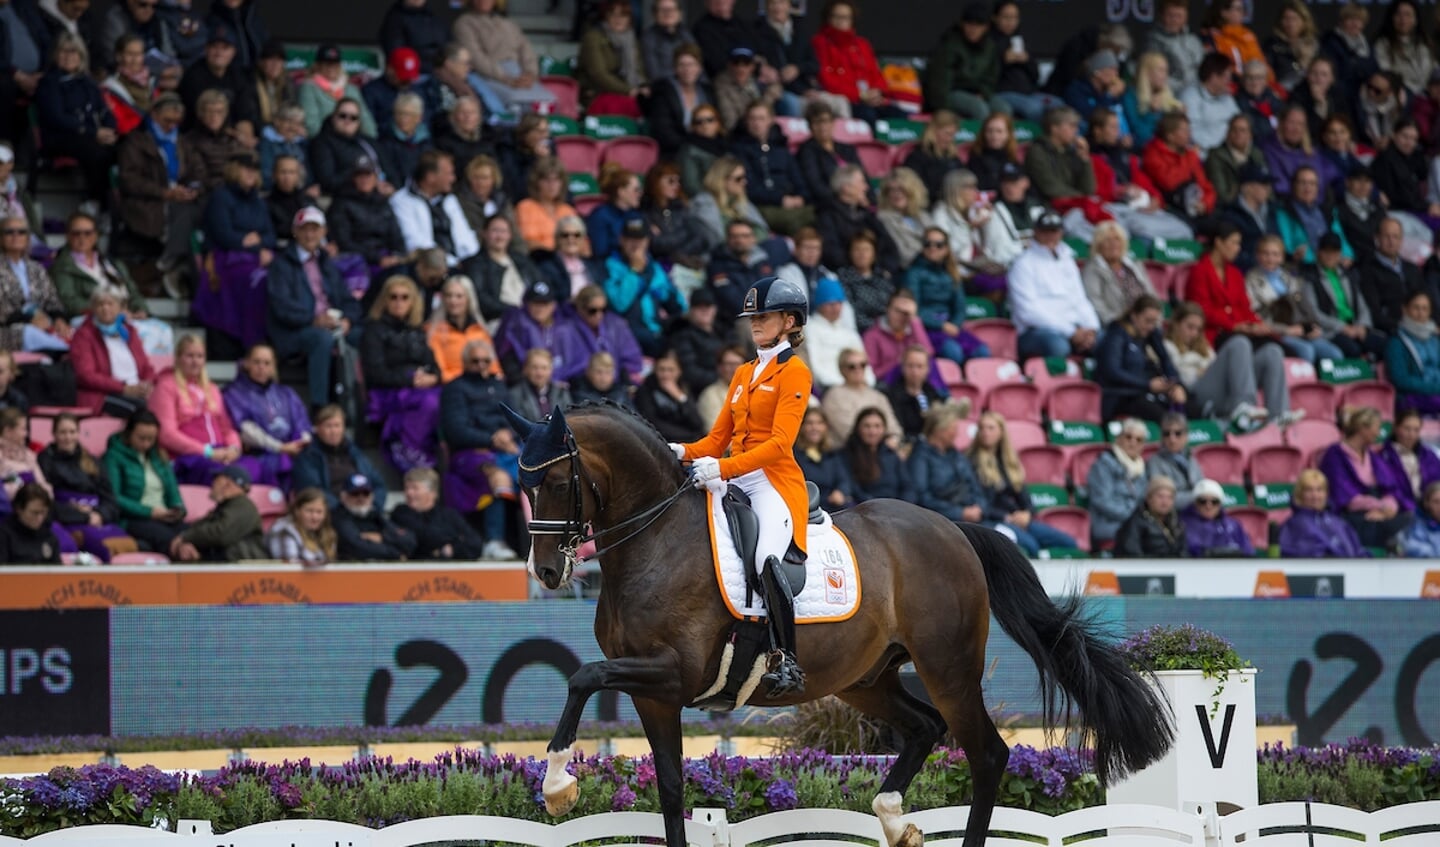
point(663, 568)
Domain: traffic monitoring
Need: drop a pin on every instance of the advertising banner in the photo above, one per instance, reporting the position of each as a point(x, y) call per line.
point(1335, 668)
point(55, 672)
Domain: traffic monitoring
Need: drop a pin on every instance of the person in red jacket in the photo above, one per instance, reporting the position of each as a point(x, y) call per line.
point(1173, 165)
point(848, 66)
point(1218, 288)
point(113, 375)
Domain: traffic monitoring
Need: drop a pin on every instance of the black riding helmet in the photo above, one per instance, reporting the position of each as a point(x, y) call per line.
point(773, 294)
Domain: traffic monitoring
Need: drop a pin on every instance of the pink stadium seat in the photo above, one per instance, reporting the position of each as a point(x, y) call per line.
point(567, 95)
point(874, 157)
point(949, 372)
point(579, 153)
point(1014, 401)
point(1299, 372)
point(964, 434)
point(139, 559)
point(587, 203)
point(1319, 400)
point(1039, 373)
point(1159, 274)
point(1074, 401)
point(903, 152)
point(1221, 462)
point(998, 334)
point(1256, 522)
point(796, 130)
point(95, 433)
point(1025, 434)
point(636, 153)
point(270, 501)
point(197, 501)
point(1082, 459)
point(42, 432)
point(1309, 435)
point(1378, 394)
point(987, 372)
point(852, 131)
point(1044, 464)
point(55, 411)
point(968, 392)
point(1071, 520)
point(1266, 436)
point(1179, 278)
point(1275, 464)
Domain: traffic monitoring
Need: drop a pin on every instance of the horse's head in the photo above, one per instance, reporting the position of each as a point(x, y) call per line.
point(623, 462)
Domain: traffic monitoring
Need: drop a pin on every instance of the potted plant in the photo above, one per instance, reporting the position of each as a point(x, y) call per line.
point(1211, 692)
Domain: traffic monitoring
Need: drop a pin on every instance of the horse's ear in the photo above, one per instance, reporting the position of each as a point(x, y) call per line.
point(557, 429)
point(518, 422)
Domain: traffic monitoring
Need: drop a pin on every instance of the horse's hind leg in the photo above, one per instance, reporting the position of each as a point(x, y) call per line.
point(955, 686)
point(920, 728)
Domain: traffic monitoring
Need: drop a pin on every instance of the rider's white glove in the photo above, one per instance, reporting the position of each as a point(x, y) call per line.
point(678, 450)
point(704, 469)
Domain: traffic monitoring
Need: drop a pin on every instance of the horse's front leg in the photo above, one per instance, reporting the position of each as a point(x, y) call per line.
point(662, 728)
point(650, 677)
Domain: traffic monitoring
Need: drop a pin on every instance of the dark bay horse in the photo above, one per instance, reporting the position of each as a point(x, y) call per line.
point(929, 587)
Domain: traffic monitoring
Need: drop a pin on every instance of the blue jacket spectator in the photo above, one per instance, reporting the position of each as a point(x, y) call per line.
point(1126, 361)
point(1412, 357)
point(823, 466)
point(407, 136)
point(72, 114)
point(236, 210)
point(641, 294)
point(273, 145)
point(1422, 540)
point(291, 309)
point(771, 173)
point(470, 411)
point(1091, 92)
point(943, 477)
point(606, 222)
point(1116, 483)
point(329, 461)
point(876, 470)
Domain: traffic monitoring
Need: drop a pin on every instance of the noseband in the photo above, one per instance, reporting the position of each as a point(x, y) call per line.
point(572, 530)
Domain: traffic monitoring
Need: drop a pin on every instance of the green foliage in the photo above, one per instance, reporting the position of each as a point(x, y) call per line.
point(1185, 648)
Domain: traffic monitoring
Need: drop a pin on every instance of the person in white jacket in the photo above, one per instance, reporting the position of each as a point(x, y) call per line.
point(1008, 230)
point(430, 215)
point(1052, 315)
point(1209, 104)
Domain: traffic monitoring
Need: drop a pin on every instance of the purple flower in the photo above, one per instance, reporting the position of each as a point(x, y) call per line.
point(780, 795)
point(623, 799)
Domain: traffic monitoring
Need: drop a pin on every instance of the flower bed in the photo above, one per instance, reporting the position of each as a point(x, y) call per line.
point(377, 792)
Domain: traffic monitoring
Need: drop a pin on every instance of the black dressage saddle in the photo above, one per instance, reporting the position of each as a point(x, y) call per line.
point(745, 532)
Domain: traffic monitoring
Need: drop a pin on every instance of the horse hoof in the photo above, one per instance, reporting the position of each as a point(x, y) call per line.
point(559, 803)
point(911, 837)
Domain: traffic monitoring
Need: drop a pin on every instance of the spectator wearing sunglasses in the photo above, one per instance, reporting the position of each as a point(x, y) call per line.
point(1209, 532)
point(340, 144)
point(1174, 459)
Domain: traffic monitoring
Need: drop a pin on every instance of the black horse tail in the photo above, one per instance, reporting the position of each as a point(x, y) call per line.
point(1126, 719)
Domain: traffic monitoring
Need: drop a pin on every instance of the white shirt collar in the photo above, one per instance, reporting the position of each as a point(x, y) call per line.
point(764, 357)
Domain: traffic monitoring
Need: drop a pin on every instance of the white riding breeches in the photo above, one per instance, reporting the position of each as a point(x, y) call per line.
point(775, 530)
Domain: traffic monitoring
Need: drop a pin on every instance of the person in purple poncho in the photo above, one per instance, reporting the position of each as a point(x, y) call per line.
point(534, 324)
point(1209, 532)
point(1313, 530)
point(1363, 488)
point(273, 423)
point(1290, 149)
point(402, 376)
point(1413, 465)
point(592, 329)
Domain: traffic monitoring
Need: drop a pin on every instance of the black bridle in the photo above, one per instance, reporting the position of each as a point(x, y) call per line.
point(572, 529)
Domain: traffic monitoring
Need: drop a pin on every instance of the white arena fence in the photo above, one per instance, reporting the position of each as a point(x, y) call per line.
point(1273, 825)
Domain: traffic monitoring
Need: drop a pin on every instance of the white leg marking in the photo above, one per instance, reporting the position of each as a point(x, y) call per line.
point(889, 807)
point(560, 787)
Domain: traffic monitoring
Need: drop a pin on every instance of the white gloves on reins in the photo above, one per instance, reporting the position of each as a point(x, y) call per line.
point(704, 469)
point(678, 450)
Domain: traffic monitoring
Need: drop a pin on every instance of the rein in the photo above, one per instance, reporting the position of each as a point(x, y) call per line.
point(573, 529)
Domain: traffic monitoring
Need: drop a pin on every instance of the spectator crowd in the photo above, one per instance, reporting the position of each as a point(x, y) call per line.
point(1000, 331)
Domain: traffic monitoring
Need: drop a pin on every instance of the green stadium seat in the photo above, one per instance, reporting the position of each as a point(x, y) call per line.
point(606, 127)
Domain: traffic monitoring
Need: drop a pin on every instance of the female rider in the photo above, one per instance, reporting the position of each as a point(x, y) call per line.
point(767, 403)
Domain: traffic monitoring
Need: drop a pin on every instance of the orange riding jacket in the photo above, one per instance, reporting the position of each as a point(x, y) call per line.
point(759, 424)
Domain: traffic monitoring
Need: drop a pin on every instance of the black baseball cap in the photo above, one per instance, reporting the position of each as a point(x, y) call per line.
point(327, 53)
point(1050, 219)
point(1331, 241)
point(635, 228)
point(237, 475)
point(1011, 172)
point(539, 291)
point(1252, 172)
point(221, 34)
point(358, 484)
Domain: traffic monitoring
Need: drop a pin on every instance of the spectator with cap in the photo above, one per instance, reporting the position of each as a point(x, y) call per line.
point(408, 136)
point(1209, 532)
point(595, 327)
point(529, 327)
point(1334, 293)
point(218, 71)
point(1011, 225)
point(362, 221)
point(410, 25)
point(439, 530)
point(160, 179)
point(1251, 211)
point(484, 451)
point(1224, 163)
point(284, 136)
point(1101, 88)
point(830, 332)
point(736, 87)
point(1208, 102)
point(402, 70)
point(326, 88)
point(430, 214)
point(365, 534)
point(340, 144)
point(73, 119)
point(309, 309)
point(504, 63)
point(231, 532)
point(964, 68)
point(1047, 298)
point(696, 340)
point(331, 459)
point(272, 82)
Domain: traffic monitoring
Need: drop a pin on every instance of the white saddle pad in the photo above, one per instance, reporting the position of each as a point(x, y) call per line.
point(832, 582)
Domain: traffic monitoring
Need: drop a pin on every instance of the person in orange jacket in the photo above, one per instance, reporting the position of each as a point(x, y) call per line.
point(1175, 168)
point(768, 399)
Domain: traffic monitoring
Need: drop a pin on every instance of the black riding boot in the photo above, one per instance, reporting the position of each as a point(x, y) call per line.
point(784, 676)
